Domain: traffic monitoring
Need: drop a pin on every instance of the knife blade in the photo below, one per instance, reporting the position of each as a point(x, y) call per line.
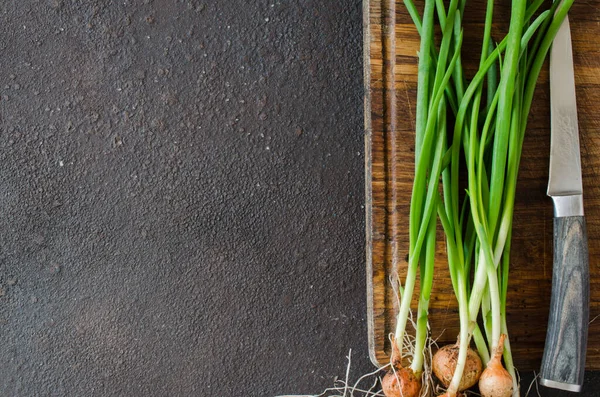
point(563, 362)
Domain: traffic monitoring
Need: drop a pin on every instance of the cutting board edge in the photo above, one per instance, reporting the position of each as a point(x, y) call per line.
point(368, 183)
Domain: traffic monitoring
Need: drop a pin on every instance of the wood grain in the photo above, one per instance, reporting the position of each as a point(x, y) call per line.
point(564, 358)
point(391, 45)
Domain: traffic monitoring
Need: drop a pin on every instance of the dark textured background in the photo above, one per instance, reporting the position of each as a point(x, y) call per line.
point(181, 197)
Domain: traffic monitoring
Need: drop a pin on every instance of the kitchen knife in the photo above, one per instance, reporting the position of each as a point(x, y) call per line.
point(563, 363)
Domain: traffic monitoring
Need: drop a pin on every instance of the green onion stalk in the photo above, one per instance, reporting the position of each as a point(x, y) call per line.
point(434, 95)
point(487, 132)
point(493, 170)
point(428, 156)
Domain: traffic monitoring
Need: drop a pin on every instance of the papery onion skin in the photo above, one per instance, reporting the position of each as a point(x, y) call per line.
point(401, 382)
point(495, 381)
point(444, 364)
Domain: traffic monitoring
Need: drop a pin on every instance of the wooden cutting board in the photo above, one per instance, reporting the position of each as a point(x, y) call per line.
point(391, 44)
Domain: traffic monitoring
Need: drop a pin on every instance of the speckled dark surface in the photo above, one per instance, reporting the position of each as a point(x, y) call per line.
point(181, 197)
point(181, 192)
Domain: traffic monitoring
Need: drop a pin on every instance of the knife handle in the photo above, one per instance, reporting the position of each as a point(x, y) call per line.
point(563, 363)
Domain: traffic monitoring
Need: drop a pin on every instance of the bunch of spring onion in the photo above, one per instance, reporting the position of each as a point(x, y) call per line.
point(477, 123)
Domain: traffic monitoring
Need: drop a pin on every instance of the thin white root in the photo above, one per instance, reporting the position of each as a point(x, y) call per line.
point(396, 288)
point(368, 384)
point(427, 383)
point(408, 343)
point(536, 383)
point(344, 388)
